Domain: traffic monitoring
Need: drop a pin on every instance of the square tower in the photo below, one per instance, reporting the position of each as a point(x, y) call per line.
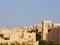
point(45, 26)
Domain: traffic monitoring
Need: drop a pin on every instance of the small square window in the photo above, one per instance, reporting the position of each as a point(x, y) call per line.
point(49, 30)
point(29, 36)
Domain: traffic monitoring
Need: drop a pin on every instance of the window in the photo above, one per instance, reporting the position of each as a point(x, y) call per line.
point(29, 36)
point(47, 25)
point(49, 30)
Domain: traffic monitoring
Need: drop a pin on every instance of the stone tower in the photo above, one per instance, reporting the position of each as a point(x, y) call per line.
point(45, 26)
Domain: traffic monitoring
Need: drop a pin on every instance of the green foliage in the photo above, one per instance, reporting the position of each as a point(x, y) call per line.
point(43, 42)
point(38, 36)
point(27, 43)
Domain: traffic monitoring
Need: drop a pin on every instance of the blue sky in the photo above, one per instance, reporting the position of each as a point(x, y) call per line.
point(17, 13)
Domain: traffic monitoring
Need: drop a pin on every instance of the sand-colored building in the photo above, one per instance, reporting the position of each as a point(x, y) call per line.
point(19, 35)
point(45, 31)
point(54, 34)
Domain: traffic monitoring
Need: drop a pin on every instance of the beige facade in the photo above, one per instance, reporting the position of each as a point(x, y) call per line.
point(54, 34)
point(56, 25)
point(45, 26)
point(46, 30)
point(51, 31)
point(17, 34)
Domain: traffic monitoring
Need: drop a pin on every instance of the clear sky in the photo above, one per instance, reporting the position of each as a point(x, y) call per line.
point(17, 13)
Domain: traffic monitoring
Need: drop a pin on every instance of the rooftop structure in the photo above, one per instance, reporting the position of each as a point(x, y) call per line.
point(45, 31)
